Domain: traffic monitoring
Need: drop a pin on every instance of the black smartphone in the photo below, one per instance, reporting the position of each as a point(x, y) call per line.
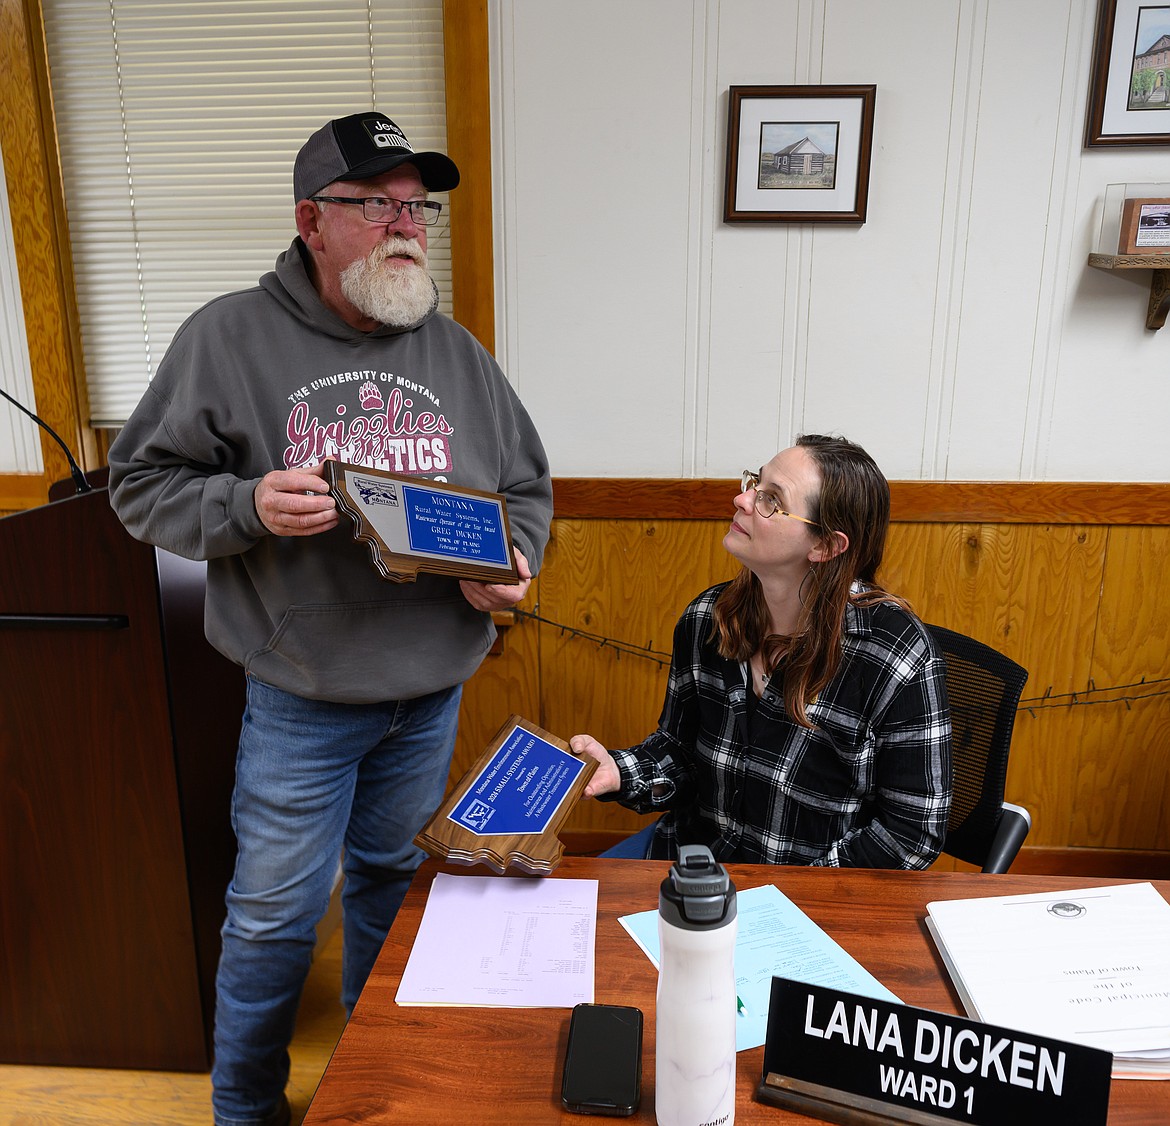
point(603, 1060)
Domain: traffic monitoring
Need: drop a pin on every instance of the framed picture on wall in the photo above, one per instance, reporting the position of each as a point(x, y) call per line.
point(798, 154)
point(1129, 97)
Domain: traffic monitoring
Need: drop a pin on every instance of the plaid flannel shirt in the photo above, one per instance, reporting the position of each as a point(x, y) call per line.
point(869, 786)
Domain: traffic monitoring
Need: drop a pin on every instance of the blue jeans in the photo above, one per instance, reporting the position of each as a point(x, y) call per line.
point(316, 784)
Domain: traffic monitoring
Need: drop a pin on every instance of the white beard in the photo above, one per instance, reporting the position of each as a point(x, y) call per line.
point(399, 295)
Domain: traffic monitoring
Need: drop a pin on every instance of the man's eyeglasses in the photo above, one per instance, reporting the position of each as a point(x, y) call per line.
point(382, 209)
point(766, 504)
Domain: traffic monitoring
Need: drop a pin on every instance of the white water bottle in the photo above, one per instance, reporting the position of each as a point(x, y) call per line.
point(694, 1075)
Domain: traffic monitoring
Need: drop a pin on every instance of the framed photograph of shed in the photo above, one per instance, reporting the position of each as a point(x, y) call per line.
point(798, 154)
point(1129, 95)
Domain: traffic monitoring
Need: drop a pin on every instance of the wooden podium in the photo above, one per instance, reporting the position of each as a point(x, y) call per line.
point(118, 729)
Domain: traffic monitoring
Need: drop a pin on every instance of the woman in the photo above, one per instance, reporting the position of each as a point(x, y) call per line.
point(806, 720)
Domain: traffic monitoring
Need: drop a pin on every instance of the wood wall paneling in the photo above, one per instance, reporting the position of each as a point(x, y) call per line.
point(19, 491)
point(628, 581)
point(1076, 604)
point(504, 685)
point(948, 502)
point(1122, 786)
point(1032, 592)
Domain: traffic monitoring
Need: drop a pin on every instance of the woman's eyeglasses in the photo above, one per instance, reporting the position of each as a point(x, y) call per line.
point(766, 504)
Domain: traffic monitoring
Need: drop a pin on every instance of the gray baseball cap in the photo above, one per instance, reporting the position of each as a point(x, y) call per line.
point(360, 146)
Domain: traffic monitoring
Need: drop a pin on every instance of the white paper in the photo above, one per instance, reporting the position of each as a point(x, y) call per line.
point(1090, 965)
point(505, 942)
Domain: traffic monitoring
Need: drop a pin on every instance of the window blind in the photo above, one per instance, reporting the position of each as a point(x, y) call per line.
point(20, 446)
point(178, 122)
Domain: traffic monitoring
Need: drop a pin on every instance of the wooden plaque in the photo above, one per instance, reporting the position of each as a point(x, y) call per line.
point(509, 807)
point(1145, 227)
point(412, 524)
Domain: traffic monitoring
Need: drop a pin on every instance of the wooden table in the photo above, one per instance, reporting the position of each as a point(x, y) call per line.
point(503, 1066)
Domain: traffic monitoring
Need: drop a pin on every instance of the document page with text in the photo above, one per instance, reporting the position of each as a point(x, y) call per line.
point(1090, 965)
point(503, 941)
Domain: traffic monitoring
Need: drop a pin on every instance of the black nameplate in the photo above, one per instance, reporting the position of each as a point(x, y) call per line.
point(848, 1058)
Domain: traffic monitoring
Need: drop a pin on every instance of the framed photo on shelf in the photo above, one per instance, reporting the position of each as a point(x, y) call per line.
point(798, 154)
point(1129, 94)
point(1145, 227)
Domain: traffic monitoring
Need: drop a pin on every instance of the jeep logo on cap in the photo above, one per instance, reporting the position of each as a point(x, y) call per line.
point(385, 135)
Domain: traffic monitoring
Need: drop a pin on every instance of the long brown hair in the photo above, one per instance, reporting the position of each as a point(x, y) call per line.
point(854, 499)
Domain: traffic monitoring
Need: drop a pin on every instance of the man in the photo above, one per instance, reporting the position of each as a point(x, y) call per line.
point(353, 681)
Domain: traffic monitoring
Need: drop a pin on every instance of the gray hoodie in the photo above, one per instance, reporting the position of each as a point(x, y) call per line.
point(269, 378)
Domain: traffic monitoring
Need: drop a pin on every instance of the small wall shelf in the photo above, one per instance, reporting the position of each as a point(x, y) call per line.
point(1158, 265)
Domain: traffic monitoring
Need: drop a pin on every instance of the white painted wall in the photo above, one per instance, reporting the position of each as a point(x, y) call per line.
point(959, 333)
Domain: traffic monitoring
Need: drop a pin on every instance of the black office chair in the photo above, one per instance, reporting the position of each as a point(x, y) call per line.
point(984, 688)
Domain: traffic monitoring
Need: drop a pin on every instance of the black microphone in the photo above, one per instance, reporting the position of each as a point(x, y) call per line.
point(83, 486)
